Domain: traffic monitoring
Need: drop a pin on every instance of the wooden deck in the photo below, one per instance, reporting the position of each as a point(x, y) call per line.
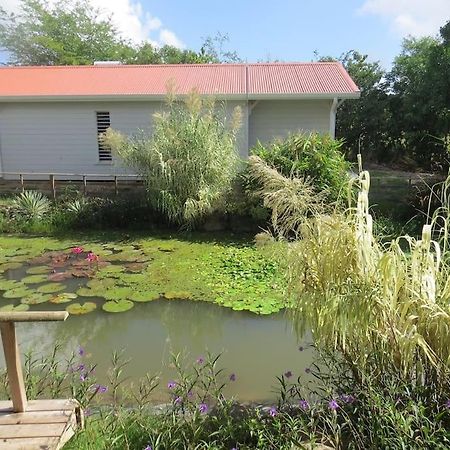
point(32, 424)
point(46, 425)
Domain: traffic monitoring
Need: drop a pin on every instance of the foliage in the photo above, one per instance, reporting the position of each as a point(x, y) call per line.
point(362, 122)
point(68, 33)
point(290, 199)
point(74, 32)
point(314, 157)
point(422, 118)
point(32, 205)
point(188, 162)
point(384, 308)
point(114, 274)
point(197, 414)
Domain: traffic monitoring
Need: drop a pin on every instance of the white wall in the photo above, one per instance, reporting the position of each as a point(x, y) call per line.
point(62, 137)
point(271, 119)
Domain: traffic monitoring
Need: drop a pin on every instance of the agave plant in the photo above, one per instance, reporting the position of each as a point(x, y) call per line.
point(78, 206)
point(32, 204)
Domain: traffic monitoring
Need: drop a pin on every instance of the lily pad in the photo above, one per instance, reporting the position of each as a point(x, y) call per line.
point(17, 292)
point(142, 297)
point(12, 308)
point(10, 266)
point(65, 297)
point(78, 308)
point(49, 288)
point(112, 269)
point(36, 299)
point(101, 284)
point(9, 284)
point(34, 279)
point(86, 292)
point(118, 306)
point(38, 270)
point(118, 293)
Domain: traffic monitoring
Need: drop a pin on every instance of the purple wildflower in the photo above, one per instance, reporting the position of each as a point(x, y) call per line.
point(348, 399)
point(233, 377)
point(447, 404)
point(178, 401)
point(83, 376)
point(171, 384)
point(273, 411)
point(200, 360)
point(79, 368)
point(148, 448)
point(190, 394)
point(80, 350)
point(333, 405)
point(203, 408)
point(304, 405)
point(288, 374)
point(99, 388)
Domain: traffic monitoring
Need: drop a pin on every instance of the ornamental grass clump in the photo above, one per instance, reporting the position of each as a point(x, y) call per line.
point(189, 160)
point(385, 308)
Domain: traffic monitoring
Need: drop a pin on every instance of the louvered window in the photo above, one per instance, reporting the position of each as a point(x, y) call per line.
point(103, 123)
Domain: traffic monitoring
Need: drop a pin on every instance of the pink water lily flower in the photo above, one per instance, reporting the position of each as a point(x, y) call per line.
point(77, 250)
point(91, 257)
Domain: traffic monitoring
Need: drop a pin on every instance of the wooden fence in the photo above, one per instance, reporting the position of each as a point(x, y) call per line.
point(51, 183)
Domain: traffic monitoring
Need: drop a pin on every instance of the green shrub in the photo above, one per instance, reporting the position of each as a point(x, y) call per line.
point(188, 162)
point(32, 205)
point(311, 156)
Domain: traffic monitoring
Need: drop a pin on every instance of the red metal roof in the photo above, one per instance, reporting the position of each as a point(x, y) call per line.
point(272, 80)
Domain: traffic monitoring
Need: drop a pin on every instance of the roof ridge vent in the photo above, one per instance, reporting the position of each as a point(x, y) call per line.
point(107, 63)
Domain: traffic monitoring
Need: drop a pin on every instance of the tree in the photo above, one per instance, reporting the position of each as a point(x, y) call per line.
point(420, 100)
point(362, 122)
point(68, 33)
point(71, 33)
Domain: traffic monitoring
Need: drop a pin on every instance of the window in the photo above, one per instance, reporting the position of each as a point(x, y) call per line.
point(103, 123)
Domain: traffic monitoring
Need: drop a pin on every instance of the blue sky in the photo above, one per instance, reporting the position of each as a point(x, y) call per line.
point(288, 30)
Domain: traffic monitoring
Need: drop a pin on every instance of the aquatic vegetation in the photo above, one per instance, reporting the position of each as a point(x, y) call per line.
point(65, 297)
point(49, 288)
point(116, 306)
point(36, 298)
point(78, 308)
point(232, 274)
point(34, 279)
point(15, 308)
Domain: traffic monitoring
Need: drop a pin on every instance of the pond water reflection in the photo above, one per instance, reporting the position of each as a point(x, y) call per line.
point(256, 348)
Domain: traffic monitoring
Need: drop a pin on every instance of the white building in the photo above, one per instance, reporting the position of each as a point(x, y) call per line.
point(50, 117)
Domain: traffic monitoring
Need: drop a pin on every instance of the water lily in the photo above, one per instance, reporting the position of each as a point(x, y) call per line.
point(77, 250)
point(91, 257)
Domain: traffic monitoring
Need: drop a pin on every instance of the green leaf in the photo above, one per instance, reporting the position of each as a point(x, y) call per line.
point(34, 279)
point(118, 306)
point(50, 288)
point(78, 308)
point(35, 299)
point(12, 308)
point(65, 297)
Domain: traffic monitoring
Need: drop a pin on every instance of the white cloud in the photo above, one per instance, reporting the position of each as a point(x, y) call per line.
point(169, 38)
point(130, 18)
point(410, 17)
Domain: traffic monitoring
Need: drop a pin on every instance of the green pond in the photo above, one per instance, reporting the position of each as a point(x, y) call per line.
point(154, 296)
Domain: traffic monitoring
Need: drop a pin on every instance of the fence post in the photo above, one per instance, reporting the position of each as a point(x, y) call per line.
point(116, 185)
point(53, 186)
point(21, 183)
point(84, 184)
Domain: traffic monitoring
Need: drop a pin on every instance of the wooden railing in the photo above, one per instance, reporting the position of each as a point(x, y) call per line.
point(11, 350)
point(83, 178)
